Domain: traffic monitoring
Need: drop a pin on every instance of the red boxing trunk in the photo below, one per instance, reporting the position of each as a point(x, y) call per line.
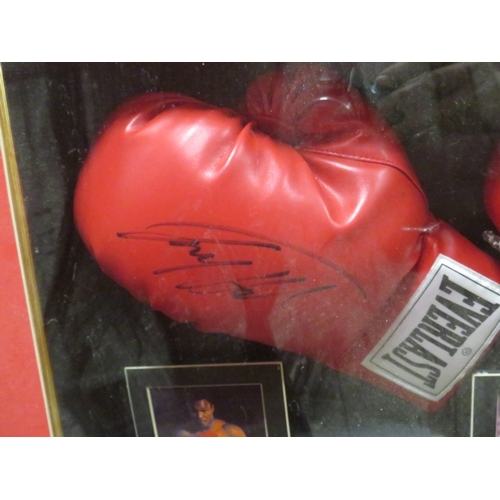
point(297, 222)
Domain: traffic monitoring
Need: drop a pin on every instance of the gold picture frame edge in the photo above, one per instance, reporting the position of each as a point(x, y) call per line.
point(27, 266)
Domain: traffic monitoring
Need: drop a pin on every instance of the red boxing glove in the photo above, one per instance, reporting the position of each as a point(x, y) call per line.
point(297, 223)
point(492, 196)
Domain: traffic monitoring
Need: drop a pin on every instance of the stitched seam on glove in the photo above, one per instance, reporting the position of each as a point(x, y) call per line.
point(365, 160)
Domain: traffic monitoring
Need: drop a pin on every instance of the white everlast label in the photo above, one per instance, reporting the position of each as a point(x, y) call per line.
point(452, 317)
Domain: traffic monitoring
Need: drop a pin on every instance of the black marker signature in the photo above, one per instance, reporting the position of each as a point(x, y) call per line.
point(249, 287)
point(253, 287)
point(204, 259)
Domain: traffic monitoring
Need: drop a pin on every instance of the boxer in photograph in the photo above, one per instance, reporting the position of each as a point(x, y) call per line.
point(206, 425)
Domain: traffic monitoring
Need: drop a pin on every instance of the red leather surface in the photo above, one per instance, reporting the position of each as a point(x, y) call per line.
point(492, 189)
point(292, 222)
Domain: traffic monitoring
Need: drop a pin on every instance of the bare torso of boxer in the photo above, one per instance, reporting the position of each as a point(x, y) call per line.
point(219, 428)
